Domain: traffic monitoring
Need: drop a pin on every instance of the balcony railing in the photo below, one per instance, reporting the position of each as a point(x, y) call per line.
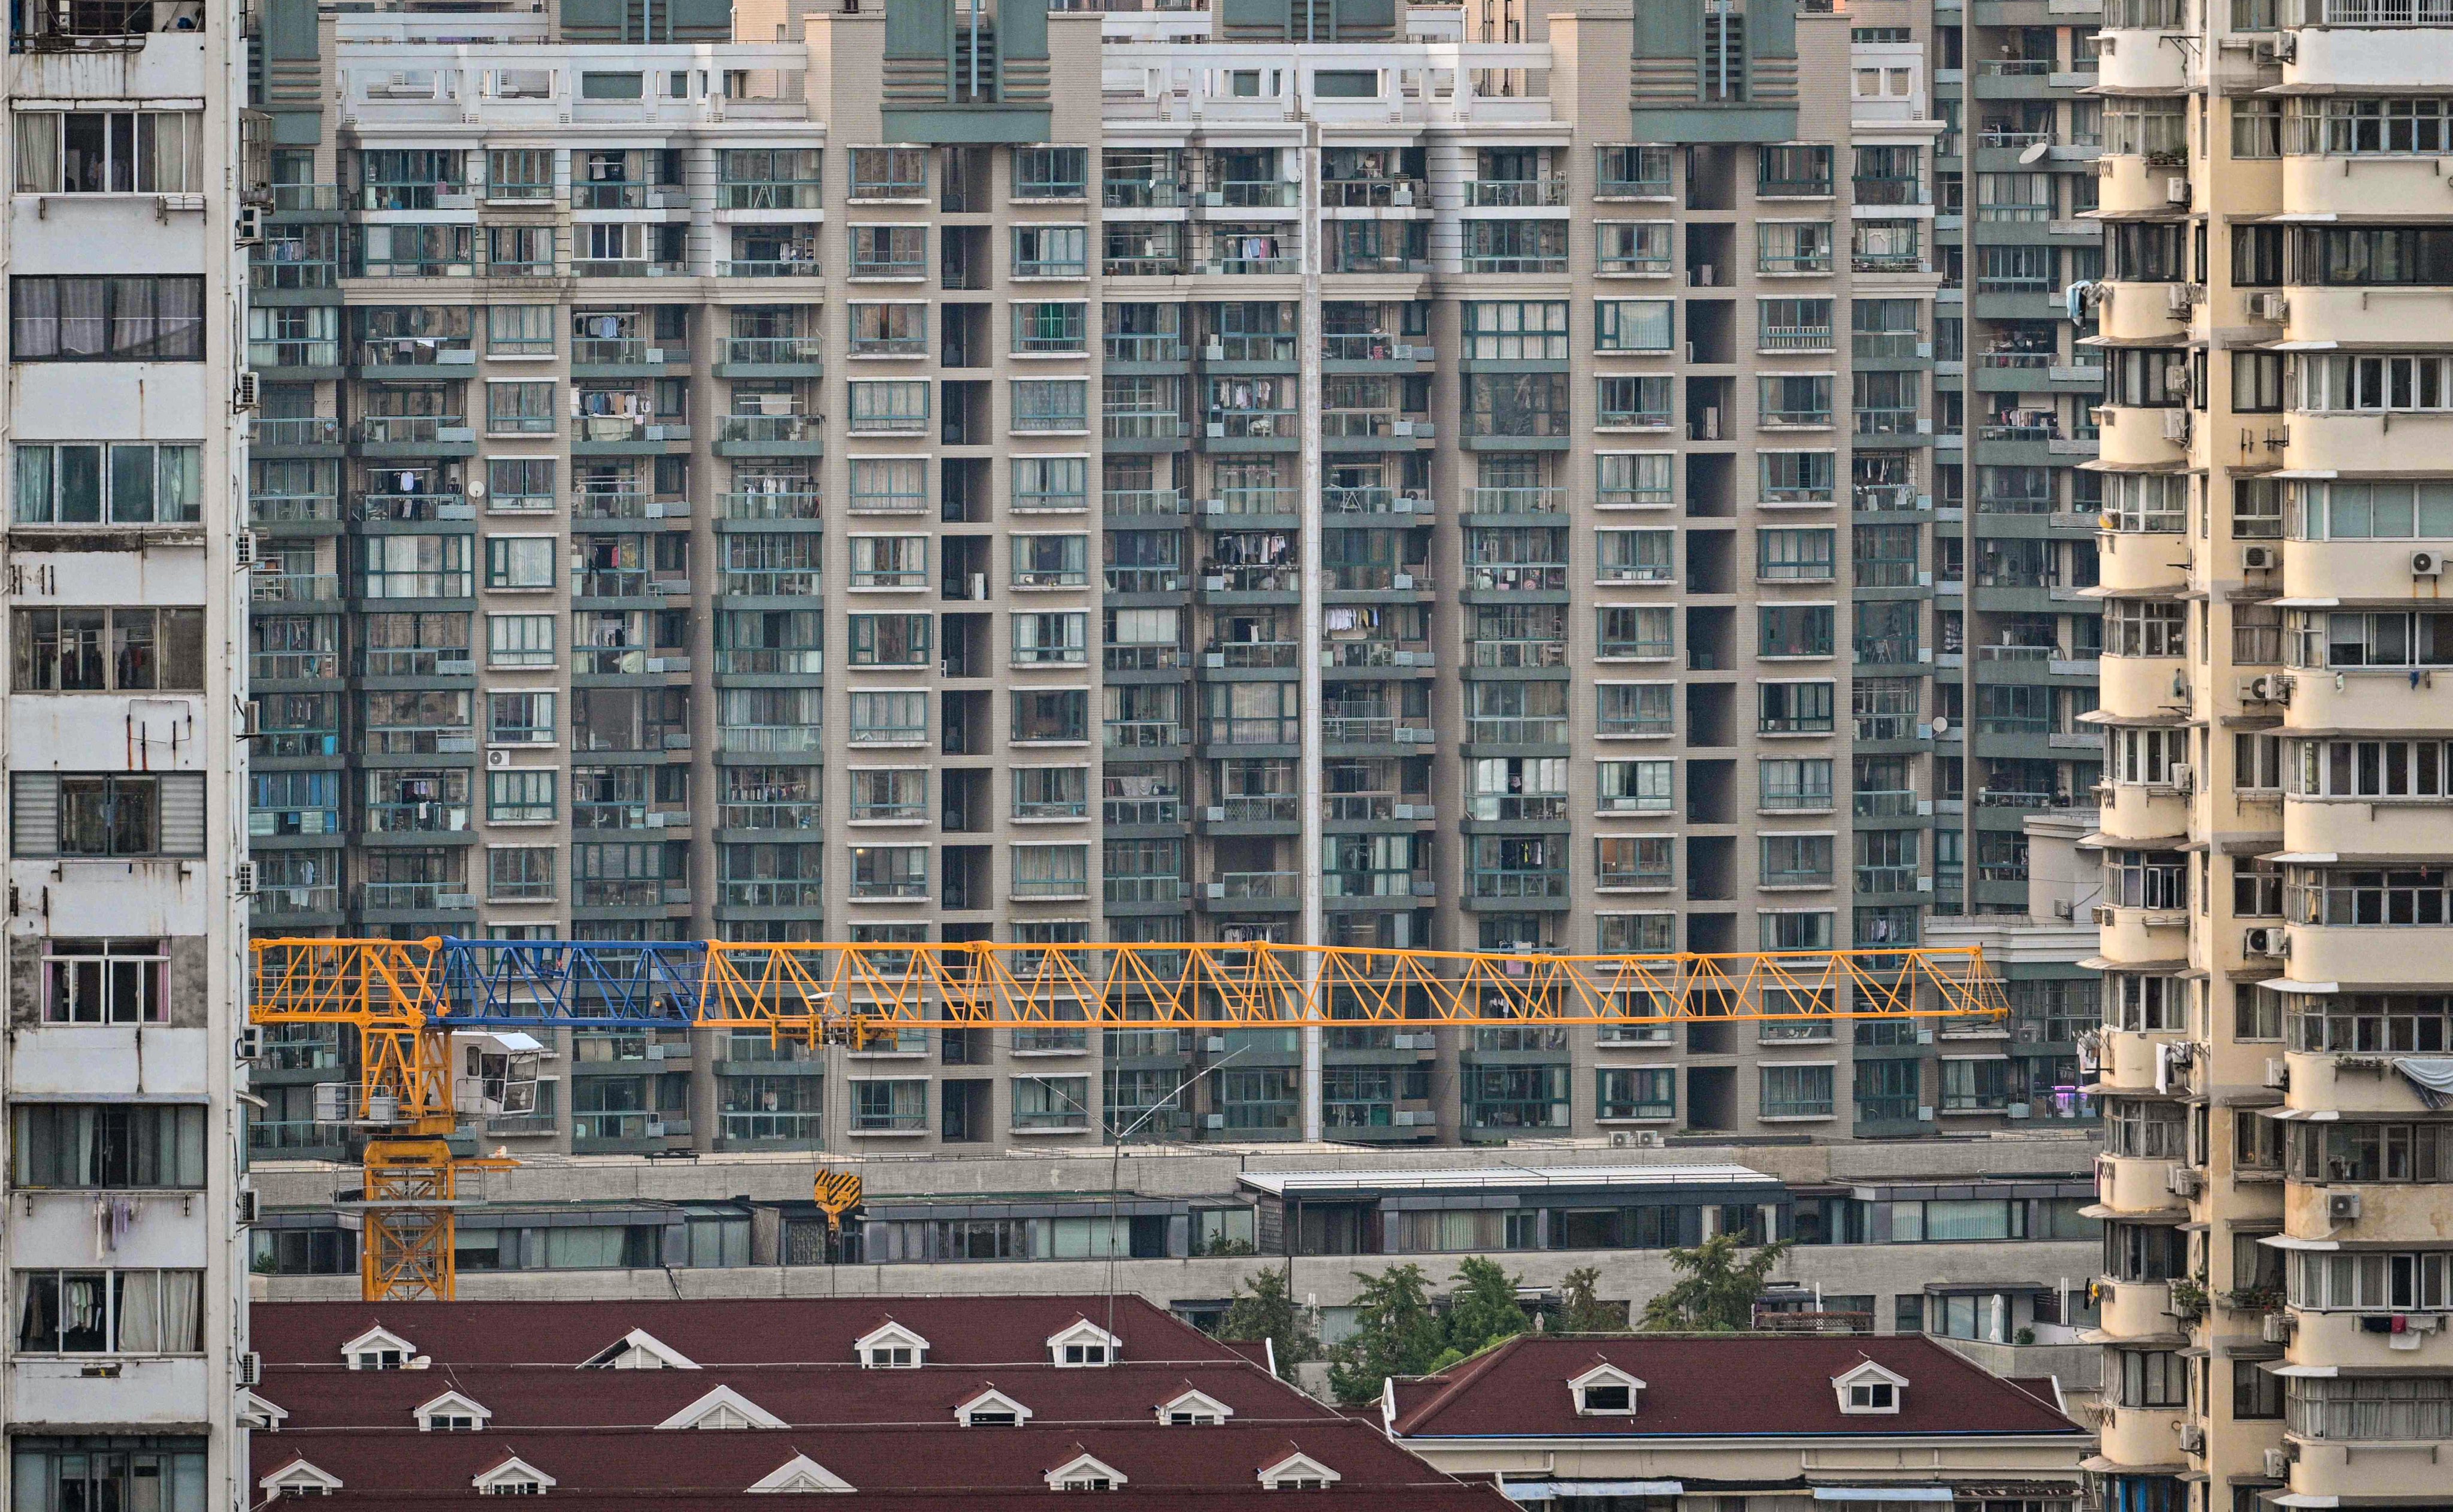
point(1533, 193)
point(766, 506)
point(295, 430)
point(773, 349)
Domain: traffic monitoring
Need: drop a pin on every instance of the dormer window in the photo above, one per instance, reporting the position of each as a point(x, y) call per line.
point(452, 1413)
point(1605, 1391)
point(378, 1349)
point(1869, 1390)
point(1084, 1472)
point(891, 1346)
point(1297, 1472)
point(638, 1350)
point(1084, 1345)
point(514, 1476)
point(298, 1478)
point(991, 1410)
point(1194, 1409)
point(722, 1408)
point(801, 1475)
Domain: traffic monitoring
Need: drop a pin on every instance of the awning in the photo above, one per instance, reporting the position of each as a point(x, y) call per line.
point(1881, 1493)
point(1546, 1490)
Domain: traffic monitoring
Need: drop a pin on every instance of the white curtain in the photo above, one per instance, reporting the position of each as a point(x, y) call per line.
point(38, 152)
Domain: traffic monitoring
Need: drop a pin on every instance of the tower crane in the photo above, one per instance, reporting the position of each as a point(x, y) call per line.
point(445, 1026)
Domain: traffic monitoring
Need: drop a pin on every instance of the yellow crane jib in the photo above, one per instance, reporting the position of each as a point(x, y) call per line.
point(412, 1001)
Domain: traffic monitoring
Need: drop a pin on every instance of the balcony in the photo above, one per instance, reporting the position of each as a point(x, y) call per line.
point(1515, 886)
point(771, 506)
point(294, 430)
point(1142, 502)
point(1250, 655)
point(1518, 501)
point(779, 818)
point(769, 739)
point(1516, 731)
point(293, 588)
point(1373, 729)
point(1259, 730)
point(1536, 193)
point(1374, 501)
point(415, 897)
point(1254, 886)
point(397, 431)
point(1520, 655)
point(403, 508)
point(798, 893)
point(792, 430)
point(293, 508)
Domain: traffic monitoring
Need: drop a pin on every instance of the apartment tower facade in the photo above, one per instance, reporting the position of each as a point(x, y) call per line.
point(2275, 502)
point(125, 754)
point(909, 473)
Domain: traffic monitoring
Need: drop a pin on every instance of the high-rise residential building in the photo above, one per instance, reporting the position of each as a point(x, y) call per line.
point(2017, 548)
point(2274, 824)
point(125, 1352)
point(919, 472)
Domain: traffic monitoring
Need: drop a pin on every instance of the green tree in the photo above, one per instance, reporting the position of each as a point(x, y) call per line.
point(1716, 1291)
point(1264, 1307)
point(1395, 1333)
point(1483, 1310)
point(1580, 1308)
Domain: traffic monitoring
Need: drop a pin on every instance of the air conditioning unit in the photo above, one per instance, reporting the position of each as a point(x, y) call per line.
point(2179, 1055)
point(1213, 1120)
point(2427, 564)
point(2269, 307)
point(2176, 298)
point(2176, 426)
point(2260, 558)
point(2101, 913)
point(250, 1043)
point(2266, 940)
point(243, 879)
point(244, 550)
point(334, 1102)
point(2283, 48)
point(245, 392)
point(2277, 1073)
point(251, 1369)
point(2277, 1331)
point(2278, 1461)
point(2176, 191)
point(245, 1207)
point(1620, 1138)
point(2193, 1438)
point(2271, 688)
point(498, 761)
point(250, 225)
point(2186, 1183)
point(2342, 1208)
point(2183, 776)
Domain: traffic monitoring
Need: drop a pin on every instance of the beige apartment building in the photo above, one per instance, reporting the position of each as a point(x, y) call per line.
point(906, 474)
point(2274, 832)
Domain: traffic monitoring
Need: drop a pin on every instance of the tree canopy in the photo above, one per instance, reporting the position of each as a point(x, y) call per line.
point(1716, 1291)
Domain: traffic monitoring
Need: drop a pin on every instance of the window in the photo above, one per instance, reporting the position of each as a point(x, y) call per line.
point(1793, 247)
point(521, 797)
point(112, 1145)
point(893, 408)
point(107, 814)
point(520, 639)
point(891, 640)
point(1050, 172)
point(521, 563)
point(1795, 708)
point(1795, 555)
point(107, 320)
point(2153, 503)
point(1051, 483)
point(107, 650)
point(1641, 248)
point(889, 173)
point(1796, 1091)
point(1633, 480)
point(520, 873)
point(157, 1472)
point(123, 483)
point(1794, 629)
point(1050, 251)
point(1516, 330)
point(2132, 628)
point(111, 1312)
point(1632, 325)
point(1051, 405)
point(1049, 327)
point(105, 981)
point(110, 152)
point(1634, 1092)
point(520, 718)
point(1635, 786)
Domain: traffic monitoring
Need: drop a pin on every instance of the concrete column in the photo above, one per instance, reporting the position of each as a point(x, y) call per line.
point(1309, 861)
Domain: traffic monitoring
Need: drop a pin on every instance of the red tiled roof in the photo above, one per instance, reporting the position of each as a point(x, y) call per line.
point(960, 1330)
point(885, 1432)
point(1716, 1386)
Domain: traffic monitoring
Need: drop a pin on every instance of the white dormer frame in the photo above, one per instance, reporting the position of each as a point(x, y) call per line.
point(638, 1350)
point(514, 1476)
point(453, 1404)
point(1085, 1467)
point(1612, 1383)
point(724, 1408)
point(298, 1478)
point(1869, 1390)
point(261, 1412)
point(378, 1349)
point(1302, 1470)
point(1084, 1344)
point(991, 1400)
point(1189, 1407)
point(801, 1475)
point(890, 1346)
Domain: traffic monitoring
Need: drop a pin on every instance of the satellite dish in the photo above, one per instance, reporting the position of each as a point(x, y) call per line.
point(2034, 151)
point(1940, 725)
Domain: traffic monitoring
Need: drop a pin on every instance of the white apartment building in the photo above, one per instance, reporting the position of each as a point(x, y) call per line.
point(2278, 497)
point(124, 747)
